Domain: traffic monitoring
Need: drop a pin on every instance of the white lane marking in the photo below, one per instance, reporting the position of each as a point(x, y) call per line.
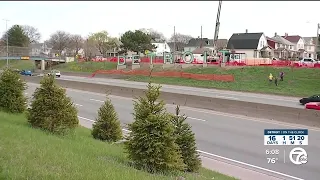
point(198, 119)
point(228, 159)
point(97, 100)
point(250, 165)
point(225, 97)
point(86, 119)
point(78, 104)
point(267, 121)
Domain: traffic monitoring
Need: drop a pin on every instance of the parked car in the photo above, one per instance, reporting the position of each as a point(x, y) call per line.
point(55, 73)
point(307, 62)
point(26, 73)
point(314, 98)
point(313, 105)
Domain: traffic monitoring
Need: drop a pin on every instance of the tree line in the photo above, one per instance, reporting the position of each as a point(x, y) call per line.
point(136, 41)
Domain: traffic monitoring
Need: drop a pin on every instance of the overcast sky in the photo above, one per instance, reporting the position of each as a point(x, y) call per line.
point(295, 17)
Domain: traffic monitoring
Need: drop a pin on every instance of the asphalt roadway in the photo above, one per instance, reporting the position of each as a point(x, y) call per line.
point(231, 139)
point(223, 94)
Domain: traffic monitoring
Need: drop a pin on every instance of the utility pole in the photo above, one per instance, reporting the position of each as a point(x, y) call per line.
point(317, 41)
point(174, 40)
point(201, 37)
point(7, 41)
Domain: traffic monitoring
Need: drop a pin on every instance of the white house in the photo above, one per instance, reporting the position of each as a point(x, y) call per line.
point(298, 42)
point(252, 45)
point(161, 47)
point(310, 46)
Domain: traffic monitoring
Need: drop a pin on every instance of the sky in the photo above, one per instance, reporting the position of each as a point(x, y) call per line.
point(117, 17)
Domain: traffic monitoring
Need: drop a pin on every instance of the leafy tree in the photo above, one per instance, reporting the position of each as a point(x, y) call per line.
point(104, 42)
point(151, 142)
point(76, 43)
point(12, 88)
point(186, 141)
point(51, 110)
point(136, 41)
point(16, 37)
point(107, 126)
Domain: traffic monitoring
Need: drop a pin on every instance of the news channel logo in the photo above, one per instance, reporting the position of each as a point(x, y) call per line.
point(298, 156)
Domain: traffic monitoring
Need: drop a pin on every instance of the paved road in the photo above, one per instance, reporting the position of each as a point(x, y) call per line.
point(223, 94)
point(217, 134)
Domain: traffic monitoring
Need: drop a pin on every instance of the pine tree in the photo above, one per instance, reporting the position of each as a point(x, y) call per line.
point(151, 142)
point(51, 110)
point(186, 141)
point(107, 126)
point(12, 89)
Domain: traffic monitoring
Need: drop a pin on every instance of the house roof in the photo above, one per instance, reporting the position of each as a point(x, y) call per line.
point(282, 40)
point(272, 39)
point(201, 50)
point(244, 41)
point(196, 42)
point(307, 40)
point(293, 39)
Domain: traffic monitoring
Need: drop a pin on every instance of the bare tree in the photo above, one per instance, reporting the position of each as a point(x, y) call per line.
point(32, 33)
point(60, 41)
point(76, 43)
point(155, 35)
point(181, 38)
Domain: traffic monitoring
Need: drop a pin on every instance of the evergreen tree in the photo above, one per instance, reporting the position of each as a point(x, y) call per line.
point(151, 142)
point(107, 126)
point(186, 141)
point(12, 88)
point(16, 37)
point(51, 110)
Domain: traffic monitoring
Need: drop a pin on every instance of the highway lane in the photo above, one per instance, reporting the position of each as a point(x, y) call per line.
point(230, 136)
point(223, 94)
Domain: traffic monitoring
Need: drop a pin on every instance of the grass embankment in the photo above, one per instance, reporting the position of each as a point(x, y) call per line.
point(85, 66)
point(297, 82)
point(18, 64)
point(27, 153)
point(64, 67)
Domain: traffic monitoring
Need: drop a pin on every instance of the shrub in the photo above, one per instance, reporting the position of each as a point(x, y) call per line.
point(107, 126)
point(12, 88)
point(51, 110)
point(151, 142)
point(186, 141)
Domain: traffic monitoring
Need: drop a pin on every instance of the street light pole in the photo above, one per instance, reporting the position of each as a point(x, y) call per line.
point(7, 41)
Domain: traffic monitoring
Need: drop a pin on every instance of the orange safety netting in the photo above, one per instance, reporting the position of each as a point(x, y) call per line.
point(212, 77)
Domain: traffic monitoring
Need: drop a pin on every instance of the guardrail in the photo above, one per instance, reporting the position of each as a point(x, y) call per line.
point(271, 112)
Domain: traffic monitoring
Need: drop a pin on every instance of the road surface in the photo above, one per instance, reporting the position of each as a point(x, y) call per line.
point(222, 94)
point(233, 139)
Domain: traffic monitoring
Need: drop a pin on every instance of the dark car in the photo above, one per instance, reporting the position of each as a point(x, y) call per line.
point(314, 98)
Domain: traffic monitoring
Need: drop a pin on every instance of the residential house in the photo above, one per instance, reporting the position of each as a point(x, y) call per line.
point(310, 46)
point(196, 43)
point(40, 49)
point(298, 42)
point(161, 47)
point(283, 49)
point(253, 45)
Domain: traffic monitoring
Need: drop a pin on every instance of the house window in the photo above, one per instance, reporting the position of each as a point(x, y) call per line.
point(255, 53)
point(291, 47)
point(165, 46)
point(278, 45)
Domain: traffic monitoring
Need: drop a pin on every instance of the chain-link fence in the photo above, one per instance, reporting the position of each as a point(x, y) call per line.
point(14, 51)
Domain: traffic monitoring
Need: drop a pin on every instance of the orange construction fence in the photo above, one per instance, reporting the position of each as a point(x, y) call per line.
point(212, 77)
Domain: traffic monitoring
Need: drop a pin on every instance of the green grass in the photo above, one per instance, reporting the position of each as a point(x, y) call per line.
point(298, 82)
point(18, 64)
point(85, 66)
point(27, 153)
